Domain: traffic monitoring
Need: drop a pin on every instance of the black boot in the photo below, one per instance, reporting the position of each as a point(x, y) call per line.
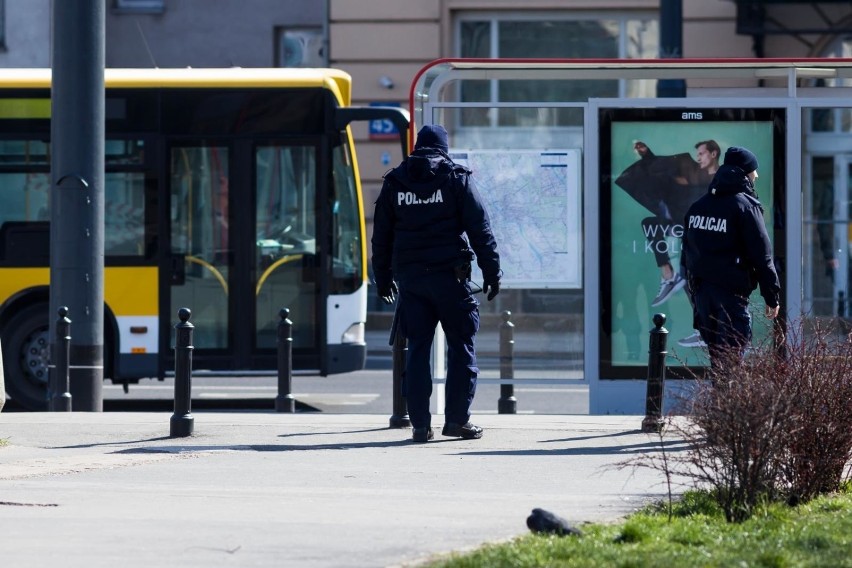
point(467, 431)
point(422, 434)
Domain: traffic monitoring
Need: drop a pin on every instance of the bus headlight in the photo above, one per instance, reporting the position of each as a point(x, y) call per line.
point(354, 333)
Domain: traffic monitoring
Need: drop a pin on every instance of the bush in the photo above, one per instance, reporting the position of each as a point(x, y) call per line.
point(816, 459)
point(774, 425)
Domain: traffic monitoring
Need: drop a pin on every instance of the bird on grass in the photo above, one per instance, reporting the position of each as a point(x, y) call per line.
point(541, 521)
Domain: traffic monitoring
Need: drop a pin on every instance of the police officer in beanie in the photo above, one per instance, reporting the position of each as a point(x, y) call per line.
point(727, 255)
point(429, 225)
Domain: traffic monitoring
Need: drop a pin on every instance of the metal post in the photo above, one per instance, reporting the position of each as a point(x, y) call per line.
point(182, 421)
point(671, 45)
point(60, 397)
point(399, 418)
point(285, 402)
point(653, 421)
point(507, 404)
point(77, 190)
point(2, 383)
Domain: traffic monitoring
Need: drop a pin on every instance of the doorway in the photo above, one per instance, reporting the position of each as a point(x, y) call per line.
point(243, 231)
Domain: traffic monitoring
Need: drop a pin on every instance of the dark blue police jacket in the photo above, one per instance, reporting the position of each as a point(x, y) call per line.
point(429, 216)
point(725, 240)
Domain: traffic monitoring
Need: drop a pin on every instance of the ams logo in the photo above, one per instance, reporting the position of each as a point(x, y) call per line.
point(691, 116)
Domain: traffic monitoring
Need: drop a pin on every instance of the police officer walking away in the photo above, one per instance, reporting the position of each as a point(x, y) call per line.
point(429, 221)
point(727, 254)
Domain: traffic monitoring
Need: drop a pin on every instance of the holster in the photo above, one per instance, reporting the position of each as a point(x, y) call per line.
point(462, 272)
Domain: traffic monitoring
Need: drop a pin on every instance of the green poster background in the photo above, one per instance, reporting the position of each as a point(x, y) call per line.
point(635, 275)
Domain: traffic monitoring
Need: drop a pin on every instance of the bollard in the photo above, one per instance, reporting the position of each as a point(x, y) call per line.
point(507, 404)
point(399, 418)
point(285, 402)
point(653, 421)
point(60, 395)
point(182, 421)
point(2, 382)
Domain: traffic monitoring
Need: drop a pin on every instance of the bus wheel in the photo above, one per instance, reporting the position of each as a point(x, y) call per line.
point(25, 357)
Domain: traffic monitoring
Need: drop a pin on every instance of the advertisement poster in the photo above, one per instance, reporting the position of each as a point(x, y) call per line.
point(654, 164)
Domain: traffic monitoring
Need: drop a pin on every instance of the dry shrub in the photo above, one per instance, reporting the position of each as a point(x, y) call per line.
point(818, 365)
point(774, 425)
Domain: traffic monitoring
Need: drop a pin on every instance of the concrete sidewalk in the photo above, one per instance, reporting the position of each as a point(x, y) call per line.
point(305, 489)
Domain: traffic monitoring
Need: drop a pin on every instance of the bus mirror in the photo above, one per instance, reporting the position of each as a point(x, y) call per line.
point(398, 116)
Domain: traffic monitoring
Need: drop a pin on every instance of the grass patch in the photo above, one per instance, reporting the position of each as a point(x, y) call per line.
point(3, 442)
point(818, 533)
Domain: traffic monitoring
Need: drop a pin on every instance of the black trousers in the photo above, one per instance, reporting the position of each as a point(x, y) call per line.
point(723, 319)
point(425, 301)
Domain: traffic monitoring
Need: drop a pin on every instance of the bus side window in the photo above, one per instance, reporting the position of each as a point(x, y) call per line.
point(25, 243)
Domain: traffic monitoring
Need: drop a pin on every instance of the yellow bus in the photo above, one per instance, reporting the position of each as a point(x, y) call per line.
point(233, 192)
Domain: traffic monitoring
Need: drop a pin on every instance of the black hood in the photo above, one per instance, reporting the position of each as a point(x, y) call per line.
point(424, 171)
point(730, 180)
point(433, 136)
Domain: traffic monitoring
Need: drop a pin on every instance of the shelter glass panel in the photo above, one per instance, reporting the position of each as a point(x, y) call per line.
point(826, 213)
point(528, 175)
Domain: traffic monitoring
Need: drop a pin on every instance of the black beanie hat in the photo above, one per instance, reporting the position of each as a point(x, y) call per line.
point(433, 136)
point(742, 158)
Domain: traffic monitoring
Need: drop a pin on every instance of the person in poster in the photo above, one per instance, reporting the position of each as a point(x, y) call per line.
point(666, 186)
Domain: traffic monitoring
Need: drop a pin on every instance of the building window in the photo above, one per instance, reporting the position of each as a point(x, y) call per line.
point(301, 47)
point(2, 24)
point(552, 35)
point(834, 120)
point(146, 6)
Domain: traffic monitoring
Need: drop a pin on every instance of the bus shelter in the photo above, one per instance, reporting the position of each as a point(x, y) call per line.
point(589, 235)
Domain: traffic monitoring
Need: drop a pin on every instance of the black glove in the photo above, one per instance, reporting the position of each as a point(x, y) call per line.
point(491, 289)
point(387, 294)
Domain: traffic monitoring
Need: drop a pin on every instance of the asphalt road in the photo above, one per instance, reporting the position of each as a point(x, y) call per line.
point(547, 373)
point(537, 391)
point(361, 392)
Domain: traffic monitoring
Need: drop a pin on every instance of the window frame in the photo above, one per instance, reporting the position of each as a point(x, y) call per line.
point(140, 6)
point(496, 17)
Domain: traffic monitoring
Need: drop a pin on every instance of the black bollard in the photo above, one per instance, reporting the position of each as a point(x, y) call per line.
point(399, 418)
point(285, 402)
point(653, 421)
point(60, 395)
point(507, 404)
point(182, 420)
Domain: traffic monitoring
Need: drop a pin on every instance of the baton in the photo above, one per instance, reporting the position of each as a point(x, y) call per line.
point(395, 324)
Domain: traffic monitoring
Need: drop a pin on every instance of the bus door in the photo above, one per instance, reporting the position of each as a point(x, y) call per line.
point(243, 246)
point(202, 255)
point(285, 260)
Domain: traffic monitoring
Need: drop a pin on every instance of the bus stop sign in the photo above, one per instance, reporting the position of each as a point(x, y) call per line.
point(383, 128)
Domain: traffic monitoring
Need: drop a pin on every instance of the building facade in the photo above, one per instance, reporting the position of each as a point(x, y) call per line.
point(216, 33)
point(383, 43)
point(25, 33)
